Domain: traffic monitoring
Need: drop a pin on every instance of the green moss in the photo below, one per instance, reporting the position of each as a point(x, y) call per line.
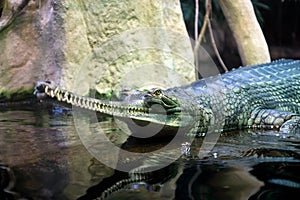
point(106, 96)
point(16, 95)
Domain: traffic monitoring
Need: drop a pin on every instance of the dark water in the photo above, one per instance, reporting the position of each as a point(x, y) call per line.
point(44, 156)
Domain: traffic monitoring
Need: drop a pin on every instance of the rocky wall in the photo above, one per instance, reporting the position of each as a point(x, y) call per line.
point(101, 44)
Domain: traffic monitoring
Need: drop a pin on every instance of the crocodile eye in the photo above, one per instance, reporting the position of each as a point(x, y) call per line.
point(157, 92)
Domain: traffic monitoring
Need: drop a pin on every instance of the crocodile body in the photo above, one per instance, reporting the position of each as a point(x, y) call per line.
point(266, 95)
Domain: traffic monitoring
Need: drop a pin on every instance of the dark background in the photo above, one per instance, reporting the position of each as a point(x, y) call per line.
point(279, 20)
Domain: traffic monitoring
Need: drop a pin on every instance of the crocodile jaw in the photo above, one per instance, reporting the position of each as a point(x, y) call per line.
point(133, 108)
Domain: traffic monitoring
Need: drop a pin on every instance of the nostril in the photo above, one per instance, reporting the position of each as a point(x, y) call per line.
point(40, 88)
point(147, 101)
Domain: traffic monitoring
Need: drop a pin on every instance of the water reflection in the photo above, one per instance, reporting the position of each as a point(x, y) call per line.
point(204, 180)
point(43, 150)
point(42, 157)
point(282, 180)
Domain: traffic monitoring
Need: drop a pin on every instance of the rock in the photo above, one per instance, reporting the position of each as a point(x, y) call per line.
point(29, 51)
point(95, 44)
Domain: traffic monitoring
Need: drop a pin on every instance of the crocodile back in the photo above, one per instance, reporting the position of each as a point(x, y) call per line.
point(233, 96)
point(275, 85)
point(279, 70)
point(276, 71)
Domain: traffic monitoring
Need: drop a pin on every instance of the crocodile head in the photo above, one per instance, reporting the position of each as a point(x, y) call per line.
point(156, 106)
point(168, 103)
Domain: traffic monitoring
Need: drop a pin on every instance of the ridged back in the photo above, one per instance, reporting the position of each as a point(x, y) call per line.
point(270, 72)
point(233, 96)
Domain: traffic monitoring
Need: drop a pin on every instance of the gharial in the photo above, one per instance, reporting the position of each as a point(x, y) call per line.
point(265, 95)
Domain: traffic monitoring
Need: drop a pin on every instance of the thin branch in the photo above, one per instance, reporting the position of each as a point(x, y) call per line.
point(2, 6)
point(196, 19)
point(5, 22)
point(201, 35)
point(249, 37)
point(213, 42)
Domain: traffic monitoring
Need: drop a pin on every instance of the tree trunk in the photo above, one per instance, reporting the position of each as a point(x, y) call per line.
point(250, 40)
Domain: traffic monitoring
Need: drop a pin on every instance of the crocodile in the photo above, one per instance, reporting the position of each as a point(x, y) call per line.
point(259, 96)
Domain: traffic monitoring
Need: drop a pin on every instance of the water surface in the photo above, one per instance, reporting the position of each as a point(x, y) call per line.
point(42, 157)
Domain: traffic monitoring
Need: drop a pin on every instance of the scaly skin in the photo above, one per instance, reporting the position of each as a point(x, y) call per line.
point(266, 95)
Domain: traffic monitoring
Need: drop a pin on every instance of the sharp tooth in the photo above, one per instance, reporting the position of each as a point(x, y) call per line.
point(90, 104)
point(58, 96)
point(56, 90)
point(93, 104)
point(66, 97)
point(52, 93)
